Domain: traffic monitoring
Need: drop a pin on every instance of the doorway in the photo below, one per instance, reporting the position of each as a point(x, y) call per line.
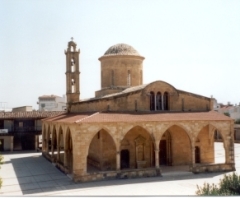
point(163, 152)
point(1, 144)
point(197, 154)
point(124, 159)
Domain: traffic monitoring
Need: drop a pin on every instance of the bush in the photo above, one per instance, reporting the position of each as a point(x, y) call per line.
point(227, 114)
point(229, 185)
point(237, 121)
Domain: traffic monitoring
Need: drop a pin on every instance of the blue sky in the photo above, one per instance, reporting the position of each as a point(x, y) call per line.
point(193, 45)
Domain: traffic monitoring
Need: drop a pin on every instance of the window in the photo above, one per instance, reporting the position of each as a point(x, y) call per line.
point(165, 101)
point(73, 65)
point(73, 86)
point(129, 78)
point(159, 101)
point(152, 101)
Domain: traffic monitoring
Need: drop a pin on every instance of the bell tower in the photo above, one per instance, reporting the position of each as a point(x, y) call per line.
point(72, 72)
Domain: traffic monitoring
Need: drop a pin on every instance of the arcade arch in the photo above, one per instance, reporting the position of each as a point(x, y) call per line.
point(101, 152)
point(137, 149)
point(175, 147)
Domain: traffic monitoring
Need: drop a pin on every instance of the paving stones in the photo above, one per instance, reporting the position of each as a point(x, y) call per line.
point(31, 174)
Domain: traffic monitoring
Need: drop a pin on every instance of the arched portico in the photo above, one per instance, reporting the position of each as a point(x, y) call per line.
point(54, 145)
point(175, 147)
point(206, 148)
point(60, 146)
point(68, 151)
point(137, 149)
point(101, 153)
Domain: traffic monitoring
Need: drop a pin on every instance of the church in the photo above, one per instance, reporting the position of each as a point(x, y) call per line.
point(130, 129)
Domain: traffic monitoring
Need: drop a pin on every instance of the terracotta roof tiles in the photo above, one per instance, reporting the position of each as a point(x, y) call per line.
point(29, 114)
point(103, 117)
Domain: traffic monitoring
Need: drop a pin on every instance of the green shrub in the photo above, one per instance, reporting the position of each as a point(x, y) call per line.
point(229, 185)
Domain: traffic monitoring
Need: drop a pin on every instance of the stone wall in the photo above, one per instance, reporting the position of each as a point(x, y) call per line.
point(140, 100)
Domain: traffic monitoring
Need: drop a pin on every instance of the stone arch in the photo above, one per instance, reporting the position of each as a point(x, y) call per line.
point(101, 152)
point(210, 152)
point(140, 144)
point(68, 150)
point(166, 127)
point(175, 146)
point(99, 129)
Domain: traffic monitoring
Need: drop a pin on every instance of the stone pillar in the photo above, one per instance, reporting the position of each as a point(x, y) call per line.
point(156, 150)
point(157, 158)
point(118, 161)
point(229, 150)
point(58, 152)
point(65, 163)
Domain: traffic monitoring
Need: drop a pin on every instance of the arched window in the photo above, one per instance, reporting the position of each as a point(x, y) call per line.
point(129, 78)
point(165, 101)
point(152, 101)
point(73, 65)
point(73, 86)
point(159, 101)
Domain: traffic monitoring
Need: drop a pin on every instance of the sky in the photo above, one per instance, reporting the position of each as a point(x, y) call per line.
point(192, 45)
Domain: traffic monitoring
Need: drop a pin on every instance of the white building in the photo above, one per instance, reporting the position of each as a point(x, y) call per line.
point(51, 103)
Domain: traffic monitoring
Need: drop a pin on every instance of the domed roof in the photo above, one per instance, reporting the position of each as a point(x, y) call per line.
point(121, 49)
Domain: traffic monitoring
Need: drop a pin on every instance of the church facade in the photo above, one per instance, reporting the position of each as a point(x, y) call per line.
point(130, 129)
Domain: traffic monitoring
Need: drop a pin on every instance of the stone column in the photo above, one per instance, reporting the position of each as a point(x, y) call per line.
point(58, 152)
point(156, 150)
point(65, 163)
point(118, 161)
point(157, 158)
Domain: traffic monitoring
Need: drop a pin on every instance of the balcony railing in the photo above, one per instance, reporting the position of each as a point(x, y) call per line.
point(26, 129)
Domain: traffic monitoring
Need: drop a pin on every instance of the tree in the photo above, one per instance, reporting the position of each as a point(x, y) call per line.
point(229, 185)
point(227, 114)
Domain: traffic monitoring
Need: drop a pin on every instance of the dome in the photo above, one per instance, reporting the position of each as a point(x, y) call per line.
point(121, 49)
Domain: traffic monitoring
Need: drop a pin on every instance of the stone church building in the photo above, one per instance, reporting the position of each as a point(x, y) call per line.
point(130, 129)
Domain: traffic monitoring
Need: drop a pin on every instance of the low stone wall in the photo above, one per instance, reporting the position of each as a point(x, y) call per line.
point(212, 168)
point(136, 173)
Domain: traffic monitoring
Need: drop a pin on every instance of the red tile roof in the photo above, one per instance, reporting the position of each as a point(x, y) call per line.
point(139, 117)
point(29, 114)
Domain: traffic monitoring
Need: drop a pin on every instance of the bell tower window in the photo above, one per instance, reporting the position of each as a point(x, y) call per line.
point(73, 65)
point(73, 86)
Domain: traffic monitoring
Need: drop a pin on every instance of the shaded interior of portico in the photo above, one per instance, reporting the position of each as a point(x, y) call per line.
point(60, 147)
point(175, 151)
point(68, 154)
point(205, 151)
point(101, 153)
point(137, 149)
